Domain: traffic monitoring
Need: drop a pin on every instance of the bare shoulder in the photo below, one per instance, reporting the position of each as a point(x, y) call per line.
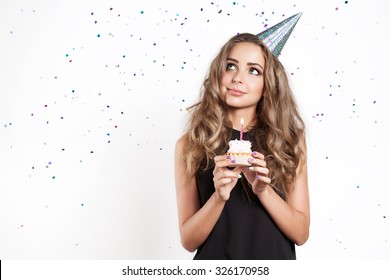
point(180, 165)
point(186, 190)
point(180, 144)
point(181, 141)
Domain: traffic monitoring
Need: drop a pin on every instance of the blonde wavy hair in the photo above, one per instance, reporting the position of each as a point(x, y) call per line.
point(278, 132)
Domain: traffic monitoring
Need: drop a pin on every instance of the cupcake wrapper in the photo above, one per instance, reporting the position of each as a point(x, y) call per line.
point(240, 158)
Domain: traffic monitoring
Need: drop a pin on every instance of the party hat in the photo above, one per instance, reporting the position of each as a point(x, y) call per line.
point(276, 36)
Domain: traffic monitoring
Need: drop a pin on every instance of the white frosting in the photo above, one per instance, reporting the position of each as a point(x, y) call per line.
point(239, 146)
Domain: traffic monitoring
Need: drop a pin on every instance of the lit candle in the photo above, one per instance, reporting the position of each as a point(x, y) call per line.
point(242, 128)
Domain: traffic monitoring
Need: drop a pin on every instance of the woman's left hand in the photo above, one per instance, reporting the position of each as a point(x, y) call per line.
point(257, 174)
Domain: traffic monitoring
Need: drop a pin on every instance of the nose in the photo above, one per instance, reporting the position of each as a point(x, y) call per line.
point(237, 77)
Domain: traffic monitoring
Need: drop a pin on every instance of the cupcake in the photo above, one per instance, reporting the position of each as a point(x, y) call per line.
point(240, 151)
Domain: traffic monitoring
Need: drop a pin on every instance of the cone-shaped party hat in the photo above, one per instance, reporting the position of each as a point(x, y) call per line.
point(276, 36)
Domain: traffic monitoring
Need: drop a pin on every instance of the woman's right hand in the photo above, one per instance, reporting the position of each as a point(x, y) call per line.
point(224, 179)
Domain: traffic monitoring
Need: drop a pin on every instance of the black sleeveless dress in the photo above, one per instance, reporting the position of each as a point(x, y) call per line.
point(244, 230)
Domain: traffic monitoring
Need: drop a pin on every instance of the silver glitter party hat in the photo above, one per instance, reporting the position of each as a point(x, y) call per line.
point(276, 36)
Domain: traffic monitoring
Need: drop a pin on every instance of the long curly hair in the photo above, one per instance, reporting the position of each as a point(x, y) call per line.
point(278, 133)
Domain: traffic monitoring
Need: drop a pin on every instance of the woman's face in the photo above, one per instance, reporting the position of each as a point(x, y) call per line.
point(243, 79)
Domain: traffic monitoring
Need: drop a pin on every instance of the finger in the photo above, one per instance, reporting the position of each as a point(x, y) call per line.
point(223, 161)
point(225, 181)
point(259, 162)
point(227, 174)
point(260, 170)
point(258, 155)
point(224, 177)
point(220, 162)
point(237, 169)
point(231, 173)
point(263, 179)
point(220, 158)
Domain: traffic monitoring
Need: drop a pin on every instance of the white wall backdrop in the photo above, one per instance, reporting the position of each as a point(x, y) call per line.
point(92, 101)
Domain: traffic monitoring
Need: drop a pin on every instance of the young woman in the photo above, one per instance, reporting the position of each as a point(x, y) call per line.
point(256, 212)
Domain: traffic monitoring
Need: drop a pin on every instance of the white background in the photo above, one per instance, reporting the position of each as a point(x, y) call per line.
point(92, 101)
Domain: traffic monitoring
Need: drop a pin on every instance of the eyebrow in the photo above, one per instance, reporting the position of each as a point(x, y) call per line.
point(249, 63)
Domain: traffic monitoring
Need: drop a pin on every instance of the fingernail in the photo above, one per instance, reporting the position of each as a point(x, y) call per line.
point(233, 161)
point(254, 153)
point(239, 176)
point(258, 176)
point(251, 168)
point(228, 157)
point(250, 160)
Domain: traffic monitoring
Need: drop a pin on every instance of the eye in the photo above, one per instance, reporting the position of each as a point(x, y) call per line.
point(254, 71)
point(231, 66)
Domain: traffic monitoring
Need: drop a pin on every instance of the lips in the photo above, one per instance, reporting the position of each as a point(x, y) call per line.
point(235, 92)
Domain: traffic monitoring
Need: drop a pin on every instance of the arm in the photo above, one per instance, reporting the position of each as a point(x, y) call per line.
point(195, 222)
point(292, 217)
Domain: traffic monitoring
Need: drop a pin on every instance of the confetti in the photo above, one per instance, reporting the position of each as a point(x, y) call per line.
point(126, 70)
